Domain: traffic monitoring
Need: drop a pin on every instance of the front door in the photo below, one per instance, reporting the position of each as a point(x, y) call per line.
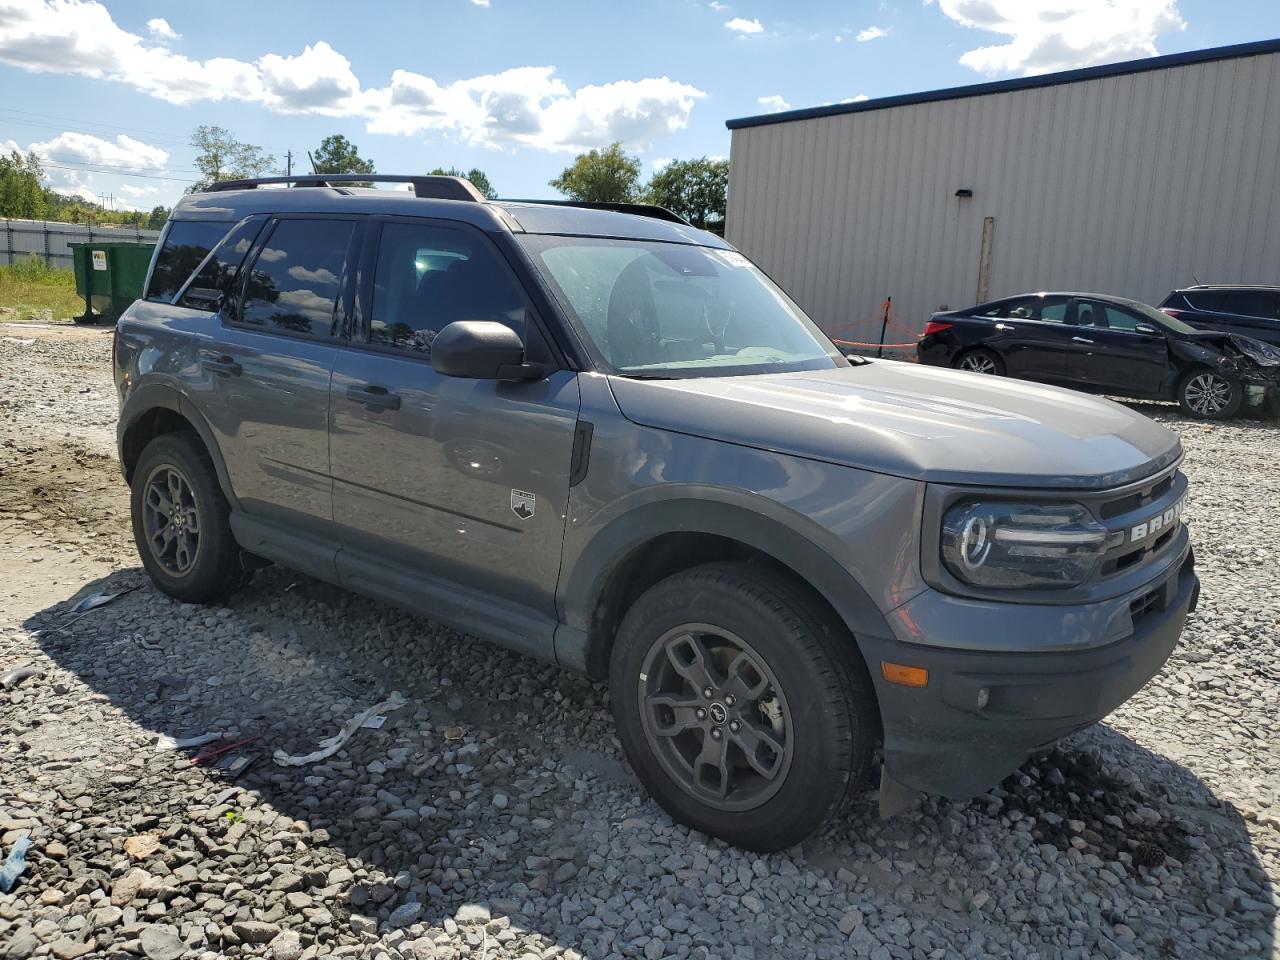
point(1115, 354)
point(269, 368)
point(440, 481)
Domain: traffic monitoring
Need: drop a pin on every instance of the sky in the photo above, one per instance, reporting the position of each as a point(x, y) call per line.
point(108, 93)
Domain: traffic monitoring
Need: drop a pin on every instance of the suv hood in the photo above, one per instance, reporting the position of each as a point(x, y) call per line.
point(924, 423)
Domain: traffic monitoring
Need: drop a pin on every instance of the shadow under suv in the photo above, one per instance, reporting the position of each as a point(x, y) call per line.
point(604, 438)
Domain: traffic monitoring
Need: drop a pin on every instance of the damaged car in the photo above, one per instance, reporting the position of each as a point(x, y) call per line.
point(1108, 345)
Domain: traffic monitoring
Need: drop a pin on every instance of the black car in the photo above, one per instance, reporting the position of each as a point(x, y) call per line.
point(1108, 345)
point(1253, 311)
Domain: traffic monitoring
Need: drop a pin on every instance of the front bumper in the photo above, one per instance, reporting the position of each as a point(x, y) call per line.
point(983, 712)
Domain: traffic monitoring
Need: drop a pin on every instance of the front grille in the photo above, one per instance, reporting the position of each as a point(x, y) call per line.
point(1136, 500)
point(1134, 557)
point(1130, 514)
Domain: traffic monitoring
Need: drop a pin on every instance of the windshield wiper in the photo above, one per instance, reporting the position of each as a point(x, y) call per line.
point(647, 376)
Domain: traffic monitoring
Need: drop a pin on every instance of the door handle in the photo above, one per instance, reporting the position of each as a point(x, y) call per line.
point(223, 366)
point(1081, 340)
point(1005, 326)
point(374, 396)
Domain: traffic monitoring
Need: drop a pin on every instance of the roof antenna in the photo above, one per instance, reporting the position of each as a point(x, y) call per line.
point(1196, 279)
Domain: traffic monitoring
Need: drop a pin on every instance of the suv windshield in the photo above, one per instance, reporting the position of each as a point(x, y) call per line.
point(671, 310)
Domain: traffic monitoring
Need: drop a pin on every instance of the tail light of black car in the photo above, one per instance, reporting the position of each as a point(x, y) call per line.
point(935, 326)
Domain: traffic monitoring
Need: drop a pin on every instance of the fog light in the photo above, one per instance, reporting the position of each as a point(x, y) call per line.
point(904, 675)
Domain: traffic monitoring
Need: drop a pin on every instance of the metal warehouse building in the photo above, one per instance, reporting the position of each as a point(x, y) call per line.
point(1130, 179)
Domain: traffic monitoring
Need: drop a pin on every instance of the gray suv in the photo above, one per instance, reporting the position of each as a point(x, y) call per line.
point(604, 438)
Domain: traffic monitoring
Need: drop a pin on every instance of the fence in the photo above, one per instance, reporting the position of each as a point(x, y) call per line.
point(19, 239)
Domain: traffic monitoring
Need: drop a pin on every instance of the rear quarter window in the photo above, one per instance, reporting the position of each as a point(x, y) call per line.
point(186, 244)
point(1249, 303)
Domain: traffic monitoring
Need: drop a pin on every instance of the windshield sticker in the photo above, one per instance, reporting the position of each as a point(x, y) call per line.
point(733, 258)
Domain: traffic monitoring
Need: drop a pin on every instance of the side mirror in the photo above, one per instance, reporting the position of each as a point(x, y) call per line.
point(481, 350)
point(1145, 328)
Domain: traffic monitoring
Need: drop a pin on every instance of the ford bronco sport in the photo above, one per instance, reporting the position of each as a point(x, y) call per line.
point(604, 438)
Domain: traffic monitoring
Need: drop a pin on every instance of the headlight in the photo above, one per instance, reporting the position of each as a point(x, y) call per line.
point(1010, 545)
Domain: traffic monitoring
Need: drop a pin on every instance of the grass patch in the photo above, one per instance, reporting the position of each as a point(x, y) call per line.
point(29, 290)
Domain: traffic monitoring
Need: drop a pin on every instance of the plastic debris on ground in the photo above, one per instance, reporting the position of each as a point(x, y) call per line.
point(95, 600)
point(14, 864)
point(331, 745)
point(166, 742)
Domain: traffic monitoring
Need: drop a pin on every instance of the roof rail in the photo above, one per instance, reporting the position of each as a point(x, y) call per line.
point(433, 187)
point(651, 210)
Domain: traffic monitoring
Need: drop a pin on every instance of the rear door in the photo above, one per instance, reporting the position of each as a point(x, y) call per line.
point(1030, 333)
point(1115, 355)
point(267, 370)
point(447, 487)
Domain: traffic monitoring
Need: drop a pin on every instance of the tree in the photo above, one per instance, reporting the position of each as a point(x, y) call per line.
point(479, 179)
point(695, 189)
point(222, 157)
point(337, 154)
point(22, 192)
point(159, 214)
point(602, 176)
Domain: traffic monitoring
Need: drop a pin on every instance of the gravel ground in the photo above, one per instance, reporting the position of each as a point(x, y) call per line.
point(492, 815)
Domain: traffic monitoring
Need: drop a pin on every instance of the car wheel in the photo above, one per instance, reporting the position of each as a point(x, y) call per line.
point(1209, 395)
point(181, 521)
point(743, 705)
point(981, 361)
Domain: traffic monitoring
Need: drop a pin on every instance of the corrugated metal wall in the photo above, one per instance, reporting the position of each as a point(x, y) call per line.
point(1129, 185)
point(49, 240)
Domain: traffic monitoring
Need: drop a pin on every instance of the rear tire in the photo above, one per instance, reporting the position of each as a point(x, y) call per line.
point(1208, 395)
point(788, 728)
point(181, 521)
point(981, 361)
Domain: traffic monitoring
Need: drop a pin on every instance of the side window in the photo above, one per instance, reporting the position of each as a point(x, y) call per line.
point(1249, 303)
point(429, 276)
point(186, 244)
point(294, 283)
point(208, 287)
point(1048, 309)
point(1090, 313)
point(1203, 301)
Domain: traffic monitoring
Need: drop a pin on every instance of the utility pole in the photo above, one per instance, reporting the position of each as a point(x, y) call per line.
point(288, 163)
point(313, 161)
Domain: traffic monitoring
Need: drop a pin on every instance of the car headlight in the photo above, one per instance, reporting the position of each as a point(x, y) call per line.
point(1011, 545)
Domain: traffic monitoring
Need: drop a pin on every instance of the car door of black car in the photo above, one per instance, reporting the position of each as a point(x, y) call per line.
point(1031, 334)
point(1117, 350)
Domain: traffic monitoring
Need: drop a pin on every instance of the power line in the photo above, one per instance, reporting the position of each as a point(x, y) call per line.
point(43, 118)
point(117, 172)
point(85, 161)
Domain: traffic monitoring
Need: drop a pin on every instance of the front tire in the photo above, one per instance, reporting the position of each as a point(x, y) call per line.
point(181, 521)
point(743, 705)
point(1207, 395)
point(981, 361)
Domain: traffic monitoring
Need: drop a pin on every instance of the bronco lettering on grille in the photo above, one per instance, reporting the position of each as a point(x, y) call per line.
point(1158, 523)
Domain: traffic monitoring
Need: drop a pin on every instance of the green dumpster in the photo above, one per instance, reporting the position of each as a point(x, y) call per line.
point(109, 276)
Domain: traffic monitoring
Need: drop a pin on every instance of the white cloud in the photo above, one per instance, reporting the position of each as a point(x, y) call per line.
point(124, 152)
point(717, 6)
point(773, 103)
point(320, 276)
point(742, 25)
point(137, 193)
point(481, 3)
point(81, 191)
point(858, 99)
point(9, 146)
point(1048, 35)
point(159, 27)
point(522, 106)
point(871, 33)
